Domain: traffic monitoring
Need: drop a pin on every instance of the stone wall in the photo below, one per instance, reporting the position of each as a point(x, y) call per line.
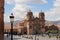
point(1, 19)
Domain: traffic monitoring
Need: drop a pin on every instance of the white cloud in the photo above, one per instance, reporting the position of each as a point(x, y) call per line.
point(54, 13)
point(9, 1)
point(6, 18)
point(58, 19)
point(19, 11)
point(57, 3)
point(25, 1)
point(20, 7)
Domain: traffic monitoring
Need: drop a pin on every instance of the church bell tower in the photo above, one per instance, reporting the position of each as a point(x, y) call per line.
point(29, 15)
point(29, 18)
point(42, 19)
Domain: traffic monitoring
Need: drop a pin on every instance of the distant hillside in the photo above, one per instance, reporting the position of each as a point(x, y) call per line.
point(47, 23)
point(53, 22)
point(15, 23)
point(56, 23)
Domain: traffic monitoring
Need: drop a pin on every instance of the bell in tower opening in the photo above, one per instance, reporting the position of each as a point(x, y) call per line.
point(41, 16)
point(42, 19)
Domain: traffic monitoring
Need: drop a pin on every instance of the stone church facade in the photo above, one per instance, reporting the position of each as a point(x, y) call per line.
point(34, 25)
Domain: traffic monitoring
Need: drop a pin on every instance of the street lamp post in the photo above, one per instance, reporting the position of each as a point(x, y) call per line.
point(35, 37)
point(11, 20)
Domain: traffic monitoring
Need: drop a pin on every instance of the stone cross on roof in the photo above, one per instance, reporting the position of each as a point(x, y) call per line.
point(41, 10)
point(11, 13)
point(29, 10)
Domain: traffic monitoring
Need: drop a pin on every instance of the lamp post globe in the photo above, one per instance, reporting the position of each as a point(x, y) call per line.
point(11, 17)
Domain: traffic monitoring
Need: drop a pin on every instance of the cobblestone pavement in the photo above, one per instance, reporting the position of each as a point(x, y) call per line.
point(30, 37)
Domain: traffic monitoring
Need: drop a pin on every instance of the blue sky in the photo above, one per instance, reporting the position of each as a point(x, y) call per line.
point(19, 8)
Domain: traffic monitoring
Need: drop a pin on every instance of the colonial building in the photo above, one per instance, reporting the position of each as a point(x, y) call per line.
point(53, 27)
point(34, 25)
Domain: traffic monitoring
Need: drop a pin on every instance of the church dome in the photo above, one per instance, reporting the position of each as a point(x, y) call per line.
point(41, 13)
point(29, 12)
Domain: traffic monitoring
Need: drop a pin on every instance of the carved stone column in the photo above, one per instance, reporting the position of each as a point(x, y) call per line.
point(1, 19)
point(28, 28)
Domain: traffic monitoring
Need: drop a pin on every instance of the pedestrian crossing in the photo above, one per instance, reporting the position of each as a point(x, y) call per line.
point(30, 37)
